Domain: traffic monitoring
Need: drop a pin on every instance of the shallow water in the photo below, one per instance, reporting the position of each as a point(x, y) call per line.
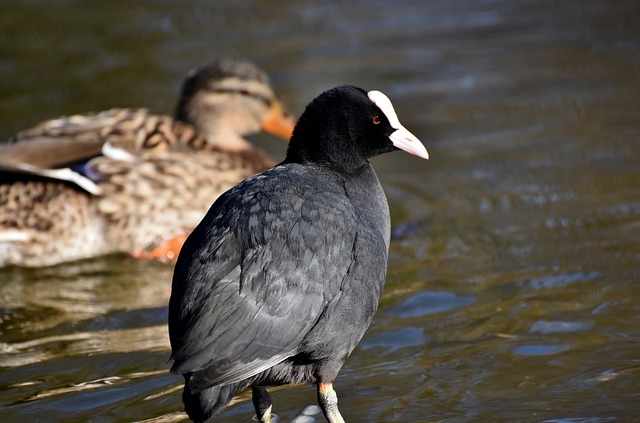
point(516, 253)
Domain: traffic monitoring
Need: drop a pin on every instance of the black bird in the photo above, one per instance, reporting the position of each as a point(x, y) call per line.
point(281, 279)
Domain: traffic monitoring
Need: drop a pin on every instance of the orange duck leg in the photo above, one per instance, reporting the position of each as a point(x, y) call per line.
point(167, 251)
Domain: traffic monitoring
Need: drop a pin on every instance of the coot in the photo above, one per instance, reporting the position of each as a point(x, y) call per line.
point(281, 279)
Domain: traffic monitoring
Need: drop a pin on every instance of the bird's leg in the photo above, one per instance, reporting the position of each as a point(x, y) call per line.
point(167, 250)
point(262, 403)
point(328, 401)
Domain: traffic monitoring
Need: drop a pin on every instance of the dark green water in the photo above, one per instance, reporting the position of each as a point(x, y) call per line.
point(514, 276)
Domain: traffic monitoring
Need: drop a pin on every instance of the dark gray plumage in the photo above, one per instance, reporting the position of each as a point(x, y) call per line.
point(282, 278)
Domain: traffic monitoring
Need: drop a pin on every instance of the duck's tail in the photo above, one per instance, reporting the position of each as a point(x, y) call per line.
point(11, 243)
point(14, 235)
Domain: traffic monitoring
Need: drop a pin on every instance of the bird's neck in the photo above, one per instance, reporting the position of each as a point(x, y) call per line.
point(334, 159)
point(224, 137)
point(367, 195)
point(216, 127)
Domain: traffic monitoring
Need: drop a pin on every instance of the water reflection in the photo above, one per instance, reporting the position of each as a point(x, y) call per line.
point(425, 303)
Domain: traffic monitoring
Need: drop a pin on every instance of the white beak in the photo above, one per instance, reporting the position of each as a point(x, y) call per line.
point(401, 137)
point(405, 140)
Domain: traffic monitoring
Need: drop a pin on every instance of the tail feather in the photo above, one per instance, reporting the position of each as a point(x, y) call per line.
point(203, 405)
point(14, 235)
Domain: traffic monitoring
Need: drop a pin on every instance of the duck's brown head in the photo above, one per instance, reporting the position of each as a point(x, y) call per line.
point(228, 99)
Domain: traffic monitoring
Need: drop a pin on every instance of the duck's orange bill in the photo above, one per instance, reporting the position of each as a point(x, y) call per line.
point(167, 251)
point(278, 122)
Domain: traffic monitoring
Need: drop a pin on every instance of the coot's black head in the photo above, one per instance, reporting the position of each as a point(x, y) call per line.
point(345, 126)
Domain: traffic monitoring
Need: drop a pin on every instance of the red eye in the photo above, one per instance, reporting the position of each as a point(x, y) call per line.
point(376, 120)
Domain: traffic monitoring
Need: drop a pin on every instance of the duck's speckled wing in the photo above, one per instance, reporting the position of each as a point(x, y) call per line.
point(120, 134)
point(257, 273)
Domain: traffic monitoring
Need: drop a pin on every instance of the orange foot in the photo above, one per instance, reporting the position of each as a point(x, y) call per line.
point(167, 251)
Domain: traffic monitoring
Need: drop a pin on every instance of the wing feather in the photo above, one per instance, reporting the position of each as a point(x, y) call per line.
point(255, 276)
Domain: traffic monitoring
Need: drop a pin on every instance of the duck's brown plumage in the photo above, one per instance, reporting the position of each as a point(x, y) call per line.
point(126, 180)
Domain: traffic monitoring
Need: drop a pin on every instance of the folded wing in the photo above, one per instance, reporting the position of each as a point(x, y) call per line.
point(250, 282)
point(59, 149)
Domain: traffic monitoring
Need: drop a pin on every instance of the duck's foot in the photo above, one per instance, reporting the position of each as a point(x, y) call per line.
point(167, 251)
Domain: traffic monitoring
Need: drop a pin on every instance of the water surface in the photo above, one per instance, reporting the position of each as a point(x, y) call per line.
point(516, 253)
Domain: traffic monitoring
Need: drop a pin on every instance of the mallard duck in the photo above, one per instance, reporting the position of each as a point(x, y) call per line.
point(127, 180)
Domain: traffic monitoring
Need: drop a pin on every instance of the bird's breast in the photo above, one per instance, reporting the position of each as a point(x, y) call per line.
point(370, 203)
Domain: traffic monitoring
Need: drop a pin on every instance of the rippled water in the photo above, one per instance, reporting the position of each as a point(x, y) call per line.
point(516, 253)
